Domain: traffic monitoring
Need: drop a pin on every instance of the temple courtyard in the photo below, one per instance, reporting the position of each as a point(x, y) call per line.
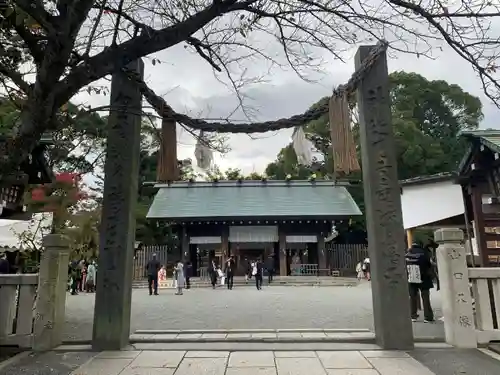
point(244, 307)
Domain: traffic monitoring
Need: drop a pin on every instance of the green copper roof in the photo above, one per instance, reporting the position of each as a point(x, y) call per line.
point(252, 199)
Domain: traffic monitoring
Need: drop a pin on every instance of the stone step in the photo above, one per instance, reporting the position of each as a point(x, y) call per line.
point(295, 281)
point(251, 346)
point(253, 335)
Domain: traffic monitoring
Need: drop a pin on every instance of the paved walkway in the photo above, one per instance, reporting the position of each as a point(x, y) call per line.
point(275, 307)
point(252, 363)
point(326, 362)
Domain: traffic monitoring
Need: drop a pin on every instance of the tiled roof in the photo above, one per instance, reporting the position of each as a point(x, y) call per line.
point(7, 249)
point(252, 199)
point(488, 138)
point(428, 178)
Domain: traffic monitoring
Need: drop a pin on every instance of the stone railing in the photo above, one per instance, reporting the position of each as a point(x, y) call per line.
point(486, 293)
point(308, 269)
point(32, 306)
point(17, 302)
point(462, 286)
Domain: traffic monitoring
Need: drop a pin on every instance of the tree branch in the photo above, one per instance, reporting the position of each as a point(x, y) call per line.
point(29, 38)
point(115, 57)
point(14, 75)
point(37, 11)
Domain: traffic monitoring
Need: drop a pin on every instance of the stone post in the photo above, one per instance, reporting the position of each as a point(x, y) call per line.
point(224, 246)
point(185, 255)
point(282, 250)
point(455, 291)
point(50, 302)
point(391, 308)
point(116, 248)
point(322, 267)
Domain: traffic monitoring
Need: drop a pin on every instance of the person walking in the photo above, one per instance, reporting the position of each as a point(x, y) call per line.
point(366, 269)
point(248, 270)
point(76, 276)
point(229, 271)
point(152, 269)
point(420, 275)
point(4, 264)
point(91, 277)
point(257, 273)
point(212, 271)
point(188, 273)
point(179, 276)
point(270, 269)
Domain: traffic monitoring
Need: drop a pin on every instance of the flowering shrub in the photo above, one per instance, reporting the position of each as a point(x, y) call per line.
point(59, 197)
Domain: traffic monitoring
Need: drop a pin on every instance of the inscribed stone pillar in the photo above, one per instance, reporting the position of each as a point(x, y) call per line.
point(322, 267)
point(391, 310)
point(116, 248)
point(51, 294)
point(282, 249)
point(455, 291)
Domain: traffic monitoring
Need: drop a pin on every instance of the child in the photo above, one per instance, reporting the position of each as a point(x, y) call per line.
point(359, 271)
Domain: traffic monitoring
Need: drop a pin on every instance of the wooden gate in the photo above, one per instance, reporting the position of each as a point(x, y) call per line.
point(144, 255)
point(345, 257)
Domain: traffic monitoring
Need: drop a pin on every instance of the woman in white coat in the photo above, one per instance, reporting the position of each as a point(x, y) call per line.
point(179, 277)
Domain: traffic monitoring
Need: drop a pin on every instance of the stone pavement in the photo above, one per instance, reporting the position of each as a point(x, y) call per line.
point(421, 361)
point(252, 363)
point(275, 307)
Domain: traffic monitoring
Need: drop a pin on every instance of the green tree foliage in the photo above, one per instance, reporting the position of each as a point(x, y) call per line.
point(426, 117)
point(76, 148)
point(432, 113)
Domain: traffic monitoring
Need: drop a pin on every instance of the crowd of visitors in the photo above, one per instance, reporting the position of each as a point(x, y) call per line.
point(82, 276)
point(219, 275)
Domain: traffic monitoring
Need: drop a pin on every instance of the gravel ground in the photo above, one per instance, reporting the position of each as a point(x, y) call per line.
point(244, 307)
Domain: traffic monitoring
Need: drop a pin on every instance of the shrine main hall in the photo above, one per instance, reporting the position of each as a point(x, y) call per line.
point(253, 219)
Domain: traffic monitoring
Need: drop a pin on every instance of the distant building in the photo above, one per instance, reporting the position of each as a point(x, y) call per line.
point(35, 170)
point(253, 219)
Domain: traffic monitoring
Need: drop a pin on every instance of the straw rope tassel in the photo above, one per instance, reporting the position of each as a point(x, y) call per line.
point(167, 169)
point(344, 149)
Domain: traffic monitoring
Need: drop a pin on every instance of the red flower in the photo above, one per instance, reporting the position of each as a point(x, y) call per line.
point(38, 194)
point(76, 195)
point(82, 195)
point(67, 177)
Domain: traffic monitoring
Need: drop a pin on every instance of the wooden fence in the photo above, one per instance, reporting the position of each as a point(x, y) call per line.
point(344, 257)
point(144, 255)
point(17, 309)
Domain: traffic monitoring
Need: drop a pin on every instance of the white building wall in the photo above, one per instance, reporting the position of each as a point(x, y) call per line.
point(426, 203)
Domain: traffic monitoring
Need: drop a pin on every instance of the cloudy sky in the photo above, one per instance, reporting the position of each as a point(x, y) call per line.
point(188, 84)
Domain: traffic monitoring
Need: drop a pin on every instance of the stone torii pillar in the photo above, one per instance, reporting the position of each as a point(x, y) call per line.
point(391, 308)
point(116, 248)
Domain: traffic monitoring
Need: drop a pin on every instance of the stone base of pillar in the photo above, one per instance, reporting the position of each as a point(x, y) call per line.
point(50, 305)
